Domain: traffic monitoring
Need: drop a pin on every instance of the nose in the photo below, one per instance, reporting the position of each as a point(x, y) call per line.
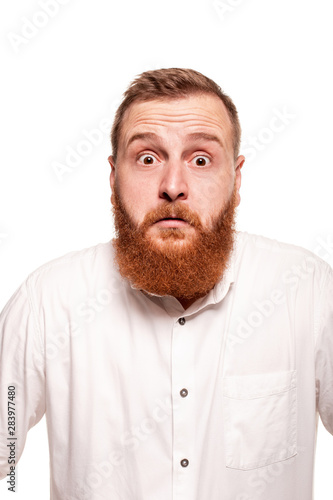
point(173, 185)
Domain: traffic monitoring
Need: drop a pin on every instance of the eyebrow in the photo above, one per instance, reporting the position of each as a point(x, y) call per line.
point(142, 136)
point(194, 136)
point(206, 137)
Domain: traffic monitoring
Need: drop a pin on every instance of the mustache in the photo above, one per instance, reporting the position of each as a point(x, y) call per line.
point(176, 211)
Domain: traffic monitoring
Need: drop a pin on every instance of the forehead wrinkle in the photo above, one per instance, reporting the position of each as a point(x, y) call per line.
point(161, 119)
point(160, 116)
point(195, 132)
point(194, 125)
point(197, 136)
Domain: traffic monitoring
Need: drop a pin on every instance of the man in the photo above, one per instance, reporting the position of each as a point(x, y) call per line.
point(182, 360)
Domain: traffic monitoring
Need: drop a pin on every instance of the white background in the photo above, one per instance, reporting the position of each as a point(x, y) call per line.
point(64, 78)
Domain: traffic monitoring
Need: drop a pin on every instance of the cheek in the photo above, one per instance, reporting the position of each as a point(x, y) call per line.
point(212, 193)
point(212, 196)
point(135, 201)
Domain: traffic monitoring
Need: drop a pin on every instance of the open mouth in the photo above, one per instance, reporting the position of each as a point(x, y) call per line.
point(172, 218)
point(171, 222)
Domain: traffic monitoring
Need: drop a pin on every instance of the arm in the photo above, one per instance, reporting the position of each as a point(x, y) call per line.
point(22, 367)
point(324, 353)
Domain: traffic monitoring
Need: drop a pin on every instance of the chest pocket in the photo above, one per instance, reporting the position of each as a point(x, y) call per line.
point(260, 419)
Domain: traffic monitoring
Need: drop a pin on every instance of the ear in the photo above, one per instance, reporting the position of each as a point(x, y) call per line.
point(238, 176)
point(112, 174)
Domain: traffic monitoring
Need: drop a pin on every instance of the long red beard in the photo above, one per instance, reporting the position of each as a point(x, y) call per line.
point(187, 270)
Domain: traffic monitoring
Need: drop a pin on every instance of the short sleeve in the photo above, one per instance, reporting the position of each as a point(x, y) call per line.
point(22, 375)
point(324, 353)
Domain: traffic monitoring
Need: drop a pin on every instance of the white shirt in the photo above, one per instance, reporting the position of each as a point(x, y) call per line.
point(133, 385)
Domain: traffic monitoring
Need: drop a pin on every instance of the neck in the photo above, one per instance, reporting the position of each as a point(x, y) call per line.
point(186, 303)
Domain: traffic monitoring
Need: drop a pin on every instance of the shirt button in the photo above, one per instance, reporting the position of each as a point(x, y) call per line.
point(184, 462)
point(182, 321)
point(184, 393)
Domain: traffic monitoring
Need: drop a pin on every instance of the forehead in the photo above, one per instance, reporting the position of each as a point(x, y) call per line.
point(204, 113)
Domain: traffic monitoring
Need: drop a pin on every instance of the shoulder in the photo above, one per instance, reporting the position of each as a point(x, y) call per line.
point(74, 267)
point(269, 256)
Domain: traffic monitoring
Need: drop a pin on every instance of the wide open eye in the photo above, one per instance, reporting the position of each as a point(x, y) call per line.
point(147, 159)
point(201, 161)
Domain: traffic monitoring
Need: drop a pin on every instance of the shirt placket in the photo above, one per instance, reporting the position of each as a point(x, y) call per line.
point(183, 394)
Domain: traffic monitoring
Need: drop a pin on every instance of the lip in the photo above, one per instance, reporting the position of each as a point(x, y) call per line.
point(171, 223)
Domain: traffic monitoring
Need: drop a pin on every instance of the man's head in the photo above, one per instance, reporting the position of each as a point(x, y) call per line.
point(175, 144)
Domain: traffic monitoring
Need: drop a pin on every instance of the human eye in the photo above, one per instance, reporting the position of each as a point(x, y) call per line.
point(201, 161)
point(147, 159)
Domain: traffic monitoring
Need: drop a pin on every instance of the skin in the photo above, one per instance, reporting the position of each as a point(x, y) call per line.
point(172, 164)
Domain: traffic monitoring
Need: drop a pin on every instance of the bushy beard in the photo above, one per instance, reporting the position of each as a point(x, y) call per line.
point(187, 269)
